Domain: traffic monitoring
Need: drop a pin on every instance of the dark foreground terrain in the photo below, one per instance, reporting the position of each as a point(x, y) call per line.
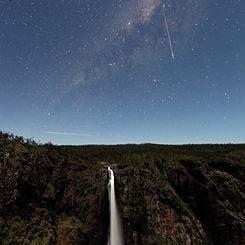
point(192, 194)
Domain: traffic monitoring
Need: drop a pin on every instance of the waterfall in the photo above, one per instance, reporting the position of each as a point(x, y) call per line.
point(115, 233)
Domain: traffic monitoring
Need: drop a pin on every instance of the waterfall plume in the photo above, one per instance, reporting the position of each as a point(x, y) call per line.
point(115, 232)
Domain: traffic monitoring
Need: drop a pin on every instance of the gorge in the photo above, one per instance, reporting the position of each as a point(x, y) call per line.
point(190, 194)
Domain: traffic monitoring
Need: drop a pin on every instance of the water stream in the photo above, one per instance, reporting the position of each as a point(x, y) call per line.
point(115, 232)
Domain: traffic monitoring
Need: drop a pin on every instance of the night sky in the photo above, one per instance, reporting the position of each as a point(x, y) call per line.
point(101, 71)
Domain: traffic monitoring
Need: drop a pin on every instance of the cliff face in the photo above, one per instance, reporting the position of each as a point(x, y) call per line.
point(182, 202)
point(58, 195)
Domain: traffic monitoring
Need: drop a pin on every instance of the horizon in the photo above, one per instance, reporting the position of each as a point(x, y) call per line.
point(123, 144)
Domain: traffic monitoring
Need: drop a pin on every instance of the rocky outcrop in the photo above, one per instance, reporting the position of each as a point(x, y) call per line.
point(182, 202)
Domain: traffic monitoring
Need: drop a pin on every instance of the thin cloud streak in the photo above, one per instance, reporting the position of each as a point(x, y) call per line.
point(67, 134)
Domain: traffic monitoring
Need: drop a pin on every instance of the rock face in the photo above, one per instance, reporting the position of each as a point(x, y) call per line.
point(182, 202)
point(58, 195)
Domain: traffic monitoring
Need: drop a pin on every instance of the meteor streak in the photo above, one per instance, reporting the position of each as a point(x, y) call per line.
point(169, 38)
point(66, 133)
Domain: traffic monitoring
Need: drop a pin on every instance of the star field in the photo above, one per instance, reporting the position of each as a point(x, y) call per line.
point(101, 72)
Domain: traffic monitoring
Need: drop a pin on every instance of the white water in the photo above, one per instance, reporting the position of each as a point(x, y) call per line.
point(115, 233)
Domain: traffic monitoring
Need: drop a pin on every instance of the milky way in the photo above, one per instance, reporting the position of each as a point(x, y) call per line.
point(104, 69)
point(135, 36)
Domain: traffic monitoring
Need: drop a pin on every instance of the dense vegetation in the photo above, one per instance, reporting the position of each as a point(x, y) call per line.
point(57, 194)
